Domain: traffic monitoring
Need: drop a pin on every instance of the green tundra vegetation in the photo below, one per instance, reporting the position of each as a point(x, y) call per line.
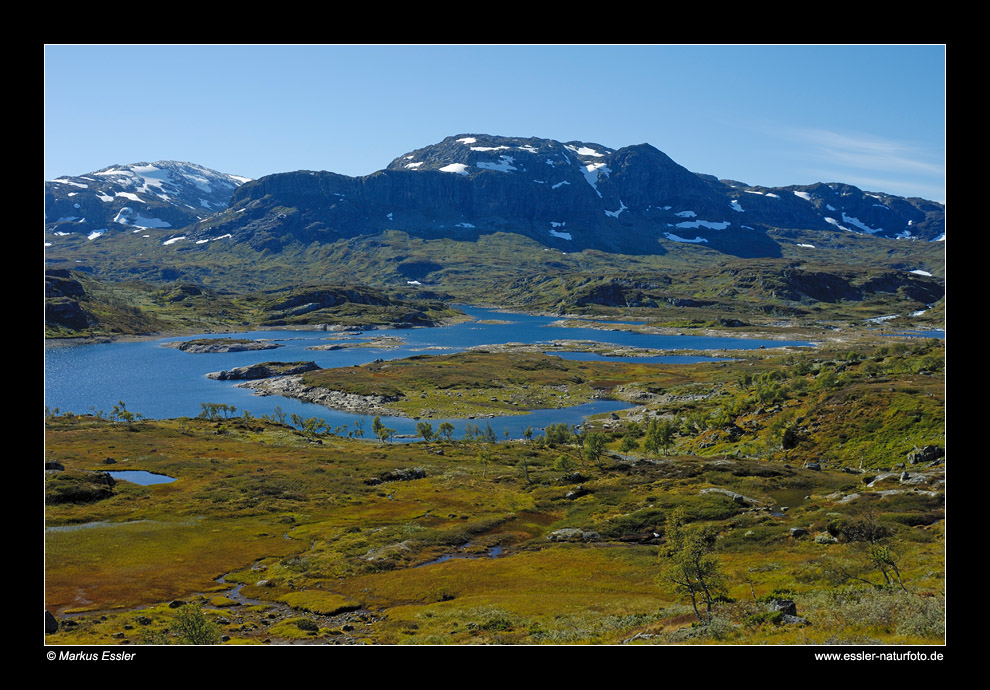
point(96, 291)
point(484, 383)
point(788, 496)
point(80, 305)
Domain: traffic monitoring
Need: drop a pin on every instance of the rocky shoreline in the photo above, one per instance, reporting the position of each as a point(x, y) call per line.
point(293, 387)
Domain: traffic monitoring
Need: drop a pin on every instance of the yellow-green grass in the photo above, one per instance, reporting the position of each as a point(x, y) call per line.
point(134, 563)
point(534, 587)
point(303, 524)
point(485, 383)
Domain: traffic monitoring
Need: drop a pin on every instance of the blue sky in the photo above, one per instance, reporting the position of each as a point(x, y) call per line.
point(871, 116)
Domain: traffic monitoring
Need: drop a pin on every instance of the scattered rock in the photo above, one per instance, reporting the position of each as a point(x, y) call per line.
point(293, 387)
point(738, 498)
point(798, 532)
point(578, 492)
point(51, 623)
point(785, 606)
point(572, 478)
point(570, 534)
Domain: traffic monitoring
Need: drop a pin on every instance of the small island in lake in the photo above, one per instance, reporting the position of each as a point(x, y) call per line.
point(263, 370)
point(216, 345)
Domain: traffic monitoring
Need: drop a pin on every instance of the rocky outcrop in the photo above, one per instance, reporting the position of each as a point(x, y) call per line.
point(925, 455)
point(570, 534)
point(737, 498)
point(77, 486)
point(398, 475)
point(293, 387)
point(263, 371)
point(61, 306)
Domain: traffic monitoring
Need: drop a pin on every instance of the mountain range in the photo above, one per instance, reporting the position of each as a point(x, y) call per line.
point(564, 196)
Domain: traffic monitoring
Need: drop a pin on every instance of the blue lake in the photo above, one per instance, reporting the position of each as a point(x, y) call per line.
point(163, 382)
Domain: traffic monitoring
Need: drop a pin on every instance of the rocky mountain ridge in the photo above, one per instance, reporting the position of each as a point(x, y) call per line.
point(570, 196)
point(136, 197)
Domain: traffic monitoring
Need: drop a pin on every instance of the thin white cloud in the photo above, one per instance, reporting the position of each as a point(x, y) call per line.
point(872, 162)
point(872, 153)
point(933, 191)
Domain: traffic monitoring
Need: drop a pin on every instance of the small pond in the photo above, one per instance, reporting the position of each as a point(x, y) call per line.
point(141, 477)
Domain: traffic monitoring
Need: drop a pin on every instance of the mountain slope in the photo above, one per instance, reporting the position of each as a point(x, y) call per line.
point(136, 197)
point(570, 196)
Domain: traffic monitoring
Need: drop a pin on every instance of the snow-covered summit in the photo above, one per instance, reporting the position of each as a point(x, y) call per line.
point(161, 194)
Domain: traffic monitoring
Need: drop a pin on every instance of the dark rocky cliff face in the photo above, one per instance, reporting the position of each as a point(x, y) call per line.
point(571, 196)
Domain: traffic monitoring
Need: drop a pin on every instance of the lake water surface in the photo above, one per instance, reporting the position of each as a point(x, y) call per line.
point(163, 382)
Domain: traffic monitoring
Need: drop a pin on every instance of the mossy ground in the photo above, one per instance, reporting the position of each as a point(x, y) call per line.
point(318, 553)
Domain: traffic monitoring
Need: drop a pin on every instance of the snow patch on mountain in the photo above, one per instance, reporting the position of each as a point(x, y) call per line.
point(710, 224)
point(458, 168)
point(859, 224)
point(615, 214)
point(63, 180)
point(128, 216)
point(836, 223)
point(504, 164)
point(676, 238)
point(584, 151)
point(593, 171)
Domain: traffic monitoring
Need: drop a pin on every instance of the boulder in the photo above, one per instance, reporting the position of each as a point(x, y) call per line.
point(573, 534)
point(398, 475)
point(786, 606)
point(578, 492)
point(738, 498)
point(926, 454)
